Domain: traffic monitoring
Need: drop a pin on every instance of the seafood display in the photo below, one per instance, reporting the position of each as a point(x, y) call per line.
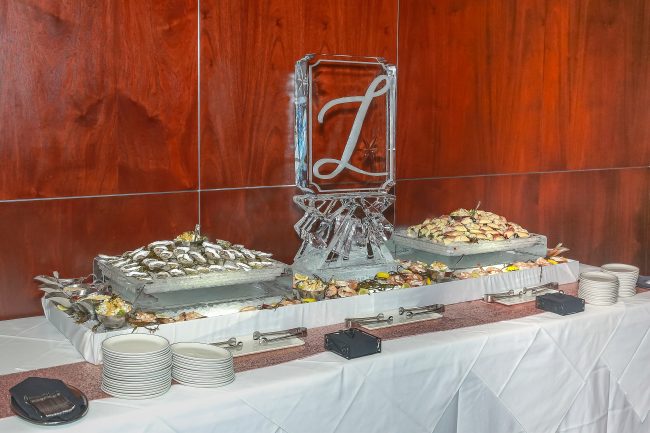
point(497, 269)
point(113, 306)
point(408, 274)
point(467, 226)
point(99, 304)
point(169, 259)
point(188, 262)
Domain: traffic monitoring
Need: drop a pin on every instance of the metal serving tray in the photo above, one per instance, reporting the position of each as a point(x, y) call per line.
point(190, 282)
point(462, 248)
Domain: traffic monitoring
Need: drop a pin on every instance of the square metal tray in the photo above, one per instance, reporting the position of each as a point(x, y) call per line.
point(190, 282)
point(463, 248)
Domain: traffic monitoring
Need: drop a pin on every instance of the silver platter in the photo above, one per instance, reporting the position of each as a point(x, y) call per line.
point(191, 282)
point(463, 248)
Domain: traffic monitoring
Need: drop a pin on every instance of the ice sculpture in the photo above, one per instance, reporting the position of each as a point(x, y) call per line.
point(345, 164)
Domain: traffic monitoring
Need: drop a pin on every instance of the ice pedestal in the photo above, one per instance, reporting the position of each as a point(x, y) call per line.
point(344, 235)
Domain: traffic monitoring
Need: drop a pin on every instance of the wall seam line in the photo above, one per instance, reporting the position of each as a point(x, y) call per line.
point(586, 170)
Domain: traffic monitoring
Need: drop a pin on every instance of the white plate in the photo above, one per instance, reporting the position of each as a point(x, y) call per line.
point(201, 352)
point(620, 267)
point(199, 376)
point(612, 282)
point(598, 276)
point(152, 389)
point(600, 303)
point(135, 384)
point(135, 344)
point(202, 366)
point(160, 352)
point(137, 364)
point(596, 296)
point(136, 381)
point(149, 366)
point(137, 391)
point(152, 359)
point(205, 385)
point(195, 376)
point(128, 396)
point(598, 291)
point(120, 375)
point(205, 372)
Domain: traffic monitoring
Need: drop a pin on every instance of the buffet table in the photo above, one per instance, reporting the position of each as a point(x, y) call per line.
point(539, 373)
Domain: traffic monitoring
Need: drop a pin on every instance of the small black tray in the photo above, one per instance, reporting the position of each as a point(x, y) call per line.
point(352, 343)
point(560, 303)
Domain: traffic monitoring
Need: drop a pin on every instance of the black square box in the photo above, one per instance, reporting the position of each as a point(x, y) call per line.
point(559, 303)
point(352, 343)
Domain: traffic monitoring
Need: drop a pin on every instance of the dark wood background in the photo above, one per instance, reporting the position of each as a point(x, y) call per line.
point(540, 109)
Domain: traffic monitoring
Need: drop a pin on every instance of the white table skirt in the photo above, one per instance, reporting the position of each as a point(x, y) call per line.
point(316, 314)
point(583, 373)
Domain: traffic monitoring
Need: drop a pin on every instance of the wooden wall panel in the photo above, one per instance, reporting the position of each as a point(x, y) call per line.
point(248, 52)
point(599, 214)
point(39, 237)
point(100, 97)
point(522, 86)
point(97, 97)
point(609, 84)
point(260, 218)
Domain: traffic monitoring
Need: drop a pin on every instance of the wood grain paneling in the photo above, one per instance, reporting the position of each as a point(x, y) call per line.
point(609, 84)
point(40, 237)
point(600, 214)
point(248, 52)
point(97, 97)
point(520, 86)
point(260, 218)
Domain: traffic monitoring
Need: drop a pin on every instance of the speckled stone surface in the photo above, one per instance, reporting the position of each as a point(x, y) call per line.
point(87, 377)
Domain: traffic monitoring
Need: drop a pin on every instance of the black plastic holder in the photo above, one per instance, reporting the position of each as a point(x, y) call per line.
point(560, 303)
point(352, 343)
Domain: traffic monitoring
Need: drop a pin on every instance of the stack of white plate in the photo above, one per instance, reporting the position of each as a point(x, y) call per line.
point(627, 275)
point(136, 366)
point(202, 365)
point(598, 288)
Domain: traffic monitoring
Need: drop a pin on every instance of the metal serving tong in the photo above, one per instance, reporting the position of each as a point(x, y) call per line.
point(230, 343)
point(352, 322)
point(493, 297)
point(417, 311)
point(272, 337)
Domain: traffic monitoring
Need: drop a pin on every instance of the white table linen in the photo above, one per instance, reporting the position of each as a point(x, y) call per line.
point(317, 314)
point(546, 373)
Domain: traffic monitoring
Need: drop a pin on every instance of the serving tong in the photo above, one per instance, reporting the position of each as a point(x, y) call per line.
point(271, 337)
point(494, 297)
point(230, 343)
point(418, 311)
point(352, 322)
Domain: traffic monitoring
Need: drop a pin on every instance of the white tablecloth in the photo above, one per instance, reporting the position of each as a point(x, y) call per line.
point(32, 343)
point(584, 373)
point(316, 314)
